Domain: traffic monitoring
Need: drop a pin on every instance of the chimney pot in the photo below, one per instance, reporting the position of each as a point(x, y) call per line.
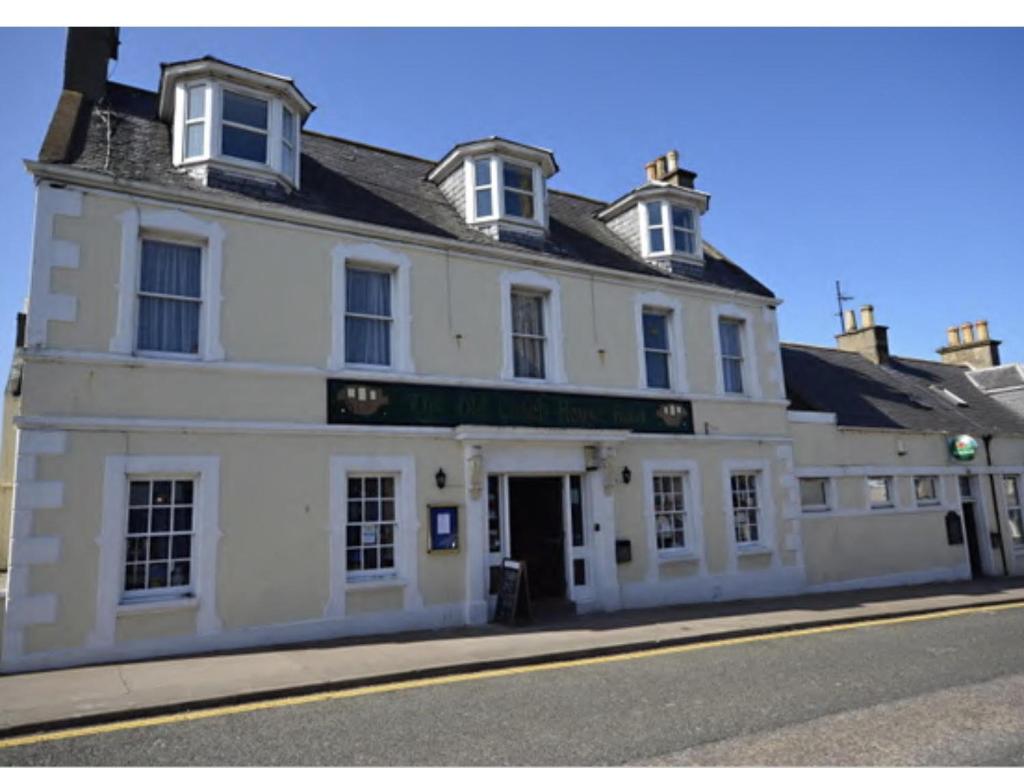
point(981, 330)
point(652, 170)
point(967, 333)
point(849, 320)
point(953, 336)
point(661, 167)
point(672, 160)
point(867, 316)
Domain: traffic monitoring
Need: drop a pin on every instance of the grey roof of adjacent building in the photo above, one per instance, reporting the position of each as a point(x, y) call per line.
point(1001, 377)
point(905, 394)
point(358, 182)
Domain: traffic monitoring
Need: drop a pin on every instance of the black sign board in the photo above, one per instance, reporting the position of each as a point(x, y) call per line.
point(513, 593)
point(430, 405)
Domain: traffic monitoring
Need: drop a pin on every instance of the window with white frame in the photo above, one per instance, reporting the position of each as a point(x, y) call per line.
point(518, 185)
point(169, 297)
point(244, 126)
point(368, 318)
point(371, 528)
point(1011, 487)
point(745, 507)
point(656, 347)
point(483, 188)
point(669, 510)
point(528, 334)
point(730, 338)
point(671, 229)
point(195, 121)
point(158, 547)
point(814, 494)
point(926, 490)
point(684, 230)
point(880, 492)
point(288, 142)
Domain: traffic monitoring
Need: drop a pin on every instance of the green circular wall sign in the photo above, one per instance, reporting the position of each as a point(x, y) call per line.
point(963, 447)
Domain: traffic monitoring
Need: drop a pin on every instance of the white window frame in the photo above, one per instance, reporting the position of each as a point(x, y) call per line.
point(170, 226)
point(140, 294)
point(692, 496)
point(934, 501)
point(765, 543)
point(264, 132)
point(204, 120)
point(110, 595)
point(554, 365)
point(389, 319)
point(529, 293)
point(405, 573)
point(670, 252)
point(131, 597)
point(291, 142)
point(751, 378)
point(1019, 508)
point(830, 494)
point(497, 187)
point(273, 167)
point(372, 256)
point(890, 484)
point(673, 307)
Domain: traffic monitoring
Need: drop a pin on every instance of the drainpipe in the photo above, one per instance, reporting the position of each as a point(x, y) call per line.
point(987, 440)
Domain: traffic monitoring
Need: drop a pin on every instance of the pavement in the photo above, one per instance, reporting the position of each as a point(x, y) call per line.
point(41, 701)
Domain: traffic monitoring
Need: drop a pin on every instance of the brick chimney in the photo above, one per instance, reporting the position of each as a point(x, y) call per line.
point(970, 344)
point(870, 340)
point(88, 51)
point(666, 170)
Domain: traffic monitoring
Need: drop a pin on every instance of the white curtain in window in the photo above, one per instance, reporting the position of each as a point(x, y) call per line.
point(169, 297)
point(528, 335)
point(732, 355)
point(368, 317)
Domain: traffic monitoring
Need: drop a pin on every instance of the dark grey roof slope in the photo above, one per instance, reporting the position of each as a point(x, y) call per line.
point(355, 181)
point(1003, 377)
point(901, 395)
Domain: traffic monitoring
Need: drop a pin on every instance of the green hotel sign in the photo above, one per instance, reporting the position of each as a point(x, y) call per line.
point(428, 405)
point(963, 447)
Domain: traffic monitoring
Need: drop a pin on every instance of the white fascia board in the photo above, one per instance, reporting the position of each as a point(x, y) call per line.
point(198, 204)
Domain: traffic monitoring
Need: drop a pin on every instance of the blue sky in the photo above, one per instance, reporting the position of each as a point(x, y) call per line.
point(890, 159)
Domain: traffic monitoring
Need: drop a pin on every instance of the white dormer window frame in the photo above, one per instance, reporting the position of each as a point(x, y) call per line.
point(498, 190)
point(213, 124)
point(670, 230)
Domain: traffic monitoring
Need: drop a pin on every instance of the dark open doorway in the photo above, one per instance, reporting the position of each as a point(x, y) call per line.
point(537, 533)
point(971, 528)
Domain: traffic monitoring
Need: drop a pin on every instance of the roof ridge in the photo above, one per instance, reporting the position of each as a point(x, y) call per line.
point(367, 145)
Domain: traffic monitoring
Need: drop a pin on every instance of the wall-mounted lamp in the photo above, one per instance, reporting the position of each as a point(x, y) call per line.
point(626, 475)
point(441, 478)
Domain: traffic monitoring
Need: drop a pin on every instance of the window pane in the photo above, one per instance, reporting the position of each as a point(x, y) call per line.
point(168, 325)
point(493, 514)
point(527, 314)
point(139, 493)
point(483, 202)
point(925, 489)
point(732, 375)
point(288, 125)
point(367, 341)
point(878, 490)
point(684, 241)
point(655, 331)
point(682, 218)
point(812, 493)
point(288, 161)
point(654, 214)
point(196, 102)
point(518, 177)
point(729, 334)
point(170, 269)
point(245, 110)
point(368, 292)
point(518, 204)
point(657, 369)
point(576, 510)
point(528, 357)
point(244, 144)
point(483, 173)
point(195, 140)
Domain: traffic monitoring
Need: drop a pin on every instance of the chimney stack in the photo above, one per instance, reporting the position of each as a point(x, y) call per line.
point(970, 345)
point(88, 51)
point(870, 341)
point(666, 170)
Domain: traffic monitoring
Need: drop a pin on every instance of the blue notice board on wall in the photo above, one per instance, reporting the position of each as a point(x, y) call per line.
point(444, 528)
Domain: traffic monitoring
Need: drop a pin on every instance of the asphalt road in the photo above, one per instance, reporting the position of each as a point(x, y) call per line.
point(941, 691)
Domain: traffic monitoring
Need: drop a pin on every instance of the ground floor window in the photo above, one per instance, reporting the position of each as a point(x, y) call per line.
point(745, 509)
point(158, 550)
point(370, 530)
point(669, 511)
point(1011, 485)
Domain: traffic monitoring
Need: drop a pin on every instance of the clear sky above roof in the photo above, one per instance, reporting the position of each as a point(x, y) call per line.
point(889, 159)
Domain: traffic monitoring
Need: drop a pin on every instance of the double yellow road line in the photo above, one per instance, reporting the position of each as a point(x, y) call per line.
point(370, 690)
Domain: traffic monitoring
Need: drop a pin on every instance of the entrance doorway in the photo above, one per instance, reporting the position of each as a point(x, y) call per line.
point(969, 507)
point(537, 533)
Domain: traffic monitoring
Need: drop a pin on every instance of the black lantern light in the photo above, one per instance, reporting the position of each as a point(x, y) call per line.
point(441, 478)
point(626, 475)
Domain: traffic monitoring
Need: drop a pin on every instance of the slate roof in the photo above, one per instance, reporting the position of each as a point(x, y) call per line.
point(1003, 377)
point(900, 395)
point(359, 182)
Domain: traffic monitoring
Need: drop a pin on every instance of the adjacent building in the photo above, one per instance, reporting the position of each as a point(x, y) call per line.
point(275, 385)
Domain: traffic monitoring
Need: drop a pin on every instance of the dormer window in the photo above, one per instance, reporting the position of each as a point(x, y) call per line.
point(518, 182)
point(671, 230)
point(484, 186)
point(505, 189)
point(235, 119)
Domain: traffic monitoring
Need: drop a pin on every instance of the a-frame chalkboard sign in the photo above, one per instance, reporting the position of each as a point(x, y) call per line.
point(513, 594)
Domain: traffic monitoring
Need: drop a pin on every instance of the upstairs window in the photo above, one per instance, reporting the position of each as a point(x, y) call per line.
point(288, 142)
point(195, 121)
point(244, 120)
point(367, 317)
point(656, 228)
point(671, 229)
point(518, 181)
point(528, 337)
point(656, 348)
point(684, 232)
point(730, 340)
point(880, 492)
point(483, 188)
point(169, 298)
point(926, 490)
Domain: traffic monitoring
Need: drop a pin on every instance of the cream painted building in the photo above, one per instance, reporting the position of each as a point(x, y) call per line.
point(276, 386)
